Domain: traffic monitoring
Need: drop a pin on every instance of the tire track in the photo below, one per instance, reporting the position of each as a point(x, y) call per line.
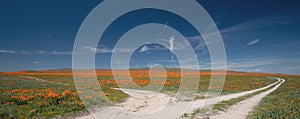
point(242, 109)
point(197, 104)
point(42, 80)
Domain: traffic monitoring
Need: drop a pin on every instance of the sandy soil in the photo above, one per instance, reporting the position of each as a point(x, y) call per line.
point(143, 102)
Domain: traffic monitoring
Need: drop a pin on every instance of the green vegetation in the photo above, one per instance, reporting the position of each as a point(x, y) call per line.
point(283, 103)
point(223, 105)
point(22, 97)
point(26, 98)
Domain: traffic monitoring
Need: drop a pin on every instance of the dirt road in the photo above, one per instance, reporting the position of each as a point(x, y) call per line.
point(145, 107)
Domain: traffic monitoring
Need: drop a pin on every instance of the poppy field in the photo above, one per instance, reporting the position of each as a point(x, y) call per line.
point(46, 95)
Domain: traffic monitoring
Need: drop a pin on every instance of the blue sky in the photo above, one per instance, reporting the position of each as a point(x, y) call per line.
point(259, 35)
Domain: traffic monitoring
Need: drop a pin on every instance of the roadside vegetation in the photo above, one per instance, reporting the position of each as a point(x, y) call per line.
point(223, 105)
point(283, 103)
point(25, 98)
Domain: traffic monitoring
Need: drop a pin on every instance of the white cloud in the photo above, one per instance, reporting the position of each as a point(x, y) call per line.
point(171, 42)
point(144, 48)
point(35, 62)
point(24, 52)
point(252, 24)
point(257, 23)
point(253, 42)
point(171, 47)
point(60, 53)
point(150, 47)
point(91, 49)
point(107, 50)
point(8, 51)
point(122, 50)
point(104, 50)
point(41, 52)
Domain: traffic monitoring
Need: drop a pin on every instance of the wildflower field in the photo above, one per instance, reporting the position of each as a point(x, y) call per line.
point(283, 103)
point(50, 95)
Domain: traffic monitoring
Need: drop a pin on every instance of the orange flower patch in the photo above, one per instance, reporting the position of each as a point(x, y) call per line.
point(19, 91)
point(66, 92)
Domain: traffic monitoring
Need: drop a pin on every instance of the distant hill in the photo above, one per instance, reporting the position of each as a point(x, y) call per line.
point(59, 70)
point(29, 71)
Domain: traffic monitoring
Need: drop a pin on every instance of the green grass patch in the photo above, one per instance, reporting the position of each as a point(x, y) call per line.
point(283, 103)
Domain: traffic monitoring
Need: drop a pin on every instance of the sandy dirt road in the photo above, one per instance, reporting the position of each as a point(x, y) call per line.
point(242, 109)
point(42, 80)
point(144, 107)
